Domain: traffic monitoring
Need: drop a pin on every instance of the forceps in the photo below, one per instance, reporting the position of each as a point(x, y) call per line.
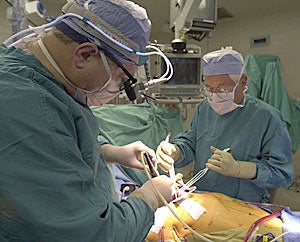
point(198, 176)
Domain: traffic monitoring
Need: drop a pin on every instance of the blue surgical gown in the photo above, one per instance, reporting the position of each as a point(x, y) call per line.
point(255, 132)
point(55, 185)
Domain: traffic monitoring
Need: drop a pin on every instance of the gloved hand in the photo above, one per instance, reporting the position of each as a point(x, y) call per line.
point(166, 155)
point(148, 193)
point(128, 155)
point(224, 163)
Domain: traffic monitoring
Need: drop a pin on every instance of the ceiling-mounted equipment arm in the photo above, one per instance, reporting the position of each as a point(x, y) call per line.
point(184, 21)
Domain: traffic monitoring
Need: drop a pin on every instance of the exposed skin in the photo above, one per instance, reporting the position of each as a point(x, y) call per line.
point(170, 152)
point(80, 63)
point(225, 82)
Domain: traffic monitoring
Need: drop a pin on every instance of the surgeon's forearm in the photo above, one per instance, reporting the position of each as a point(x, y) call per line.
point(110, 153)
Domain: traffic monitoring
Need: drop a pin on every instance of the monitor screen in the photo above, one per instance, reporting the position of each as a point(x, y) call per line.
point(186, 78)
point(185, 71)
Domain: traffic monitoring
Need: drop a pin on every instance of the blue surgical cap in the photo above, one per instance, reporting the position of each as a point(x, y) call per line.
point(122, 20)
point(224, 61)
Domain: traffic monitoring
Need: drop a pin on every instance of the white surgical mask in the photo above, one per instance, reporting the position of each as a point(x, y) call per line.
point(223, 102)
point(97, 98)
point(110, 90)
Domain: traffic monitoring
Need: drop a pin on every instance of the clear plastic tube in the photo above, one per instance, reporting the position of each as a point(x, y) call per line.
point(256, 225)
point(166, 76)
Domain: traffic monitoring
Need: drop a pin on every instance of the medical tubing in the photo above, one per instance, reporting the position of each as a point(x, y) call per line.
point(160, 53)
point(25, 37)
point(279, 236)
point(39, 27)
point(250, 234)
point(170, 208)
point(85, 20)
point(169, 69)
point(56, 67)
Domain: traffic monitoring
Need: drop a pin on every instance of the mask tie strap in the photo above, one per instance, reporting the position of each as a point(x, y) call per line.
point(53, 63)
point(240, 76)
point(78, 95)
point(105, 63)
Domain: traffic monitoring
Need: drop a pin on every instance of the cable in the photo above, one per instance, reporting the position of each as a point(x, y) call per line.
point(279, 236)
point(86, 21)
point(170, 208)
point(257, 224)
point(46, 27)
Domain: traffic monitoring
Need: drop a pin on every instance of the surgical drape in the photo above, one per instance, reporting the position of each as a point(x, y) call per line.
point(265, 81)
point(122, 124)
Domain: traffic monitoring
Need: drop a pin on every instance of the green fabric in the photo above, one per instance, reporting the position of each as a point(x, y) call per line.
point(255, 133)
point(255, 67)
point(275, 93)
point(55, 185)
point(294, 128)
point(123, 124)
point(265, 82)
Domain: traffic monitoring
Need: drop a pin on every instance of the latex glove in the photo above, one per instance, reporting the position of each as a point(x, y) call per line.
point(224, 163)
point(128, 155)
point(166, 154)
point(148, 193)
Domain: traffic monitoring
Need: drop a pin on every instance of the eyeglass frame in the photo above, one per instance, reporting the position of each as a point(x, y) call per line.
point(208, 92)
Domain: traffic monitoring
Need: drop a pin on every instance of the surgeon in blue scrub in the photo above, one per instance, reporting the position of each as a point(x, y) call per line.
point(55, 184)
point(260, 156)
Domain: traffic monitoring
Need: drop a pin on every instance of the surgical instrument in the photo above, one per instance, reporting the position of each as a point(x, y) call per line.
point(198, 176)
point(153, 171)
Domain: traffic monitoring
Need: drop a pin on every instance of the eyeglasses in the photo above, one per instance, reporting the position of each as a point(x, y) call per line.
point(129, 84)
point(209, 91)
